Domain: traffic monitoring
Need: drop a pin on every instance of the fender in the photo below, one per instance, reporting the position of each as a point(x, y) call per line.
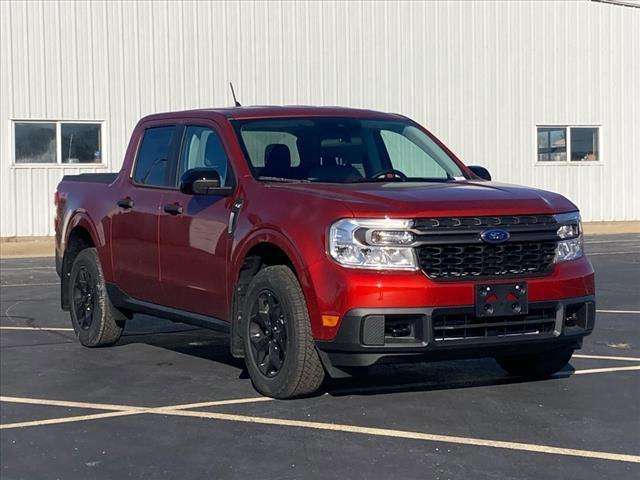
point(82, 218)
point(279, 239)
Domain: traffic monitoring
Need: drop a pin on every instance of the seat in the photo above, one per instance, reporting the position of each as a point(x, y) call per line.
point(277, 161)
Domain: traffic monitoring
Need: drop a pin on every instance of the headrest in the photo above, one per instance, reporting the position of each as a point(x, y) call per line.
point(277, 160)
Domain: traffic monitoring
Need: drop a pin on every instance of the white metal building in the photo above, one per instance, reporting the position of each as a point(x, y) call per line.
point(543, 93)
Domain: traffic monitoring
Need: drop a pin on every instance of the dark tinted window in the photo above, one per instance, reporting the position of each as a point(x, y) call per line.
point(153, 158)
point(552, 144)
point(202, 148)
point(81, 143)
point(35, 142)
point(584, 144)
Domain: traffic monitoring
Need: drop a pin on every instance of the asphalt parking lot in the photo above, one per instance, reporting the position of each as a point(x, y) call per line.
point(168, 401)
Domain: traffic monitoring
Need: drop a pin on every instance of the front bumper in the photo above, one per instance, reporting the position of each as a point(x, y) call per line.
point(368, 336)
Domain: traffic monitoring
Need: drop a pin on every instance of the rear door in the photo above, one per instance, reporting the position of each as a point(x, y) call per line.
point(135, 225)
point(194, 241)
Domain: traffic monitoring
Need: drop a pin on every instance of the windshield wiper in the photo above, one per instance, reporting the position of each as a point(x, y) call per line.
point(375, 180)
point(283, 179)
point(409, 180)
point(433, 180)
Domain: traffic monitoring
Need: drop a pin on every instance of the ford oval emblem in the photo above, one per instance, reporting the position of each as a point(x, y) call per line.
point(495, 235)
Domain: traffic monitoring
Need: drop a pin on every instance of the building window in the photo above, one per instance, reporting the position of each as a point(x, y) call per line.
point(58, 142)
point(562, 144)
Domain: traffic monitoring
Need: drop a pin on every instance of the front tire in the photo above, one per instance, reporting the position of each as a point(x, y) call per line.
point(279, 349)
point(95, 320)
point(536, 365)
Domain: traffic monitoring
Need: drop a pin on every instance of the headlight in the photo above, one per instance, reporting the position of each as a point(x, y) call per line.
point(380, 244)
point(570, 246)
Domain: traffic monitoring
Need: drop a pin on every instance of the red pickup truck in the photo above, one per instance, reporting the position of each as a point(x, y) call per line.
point(322, 240)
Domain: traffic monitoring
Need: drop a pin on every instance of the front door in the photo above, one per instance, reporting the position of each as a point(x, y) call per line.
point(193, 236)
point(135, 225)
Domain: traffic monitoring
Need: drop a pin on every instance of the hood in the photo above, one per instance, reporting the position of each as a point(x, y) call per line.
point(413, 200)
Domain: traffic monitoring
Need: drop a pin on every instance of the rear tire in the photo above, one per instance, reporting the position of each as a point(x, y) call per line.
point(95, 320)
point(536, 365)
point(279, 349)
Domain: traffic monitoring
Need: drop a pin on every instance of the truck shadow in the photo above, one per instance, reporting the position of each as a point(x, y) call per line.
point(377, 380)
point(425, 377)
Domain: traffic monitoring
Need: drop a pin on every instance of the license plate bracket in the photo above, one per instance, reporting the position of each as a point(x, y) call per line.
point(501, 300)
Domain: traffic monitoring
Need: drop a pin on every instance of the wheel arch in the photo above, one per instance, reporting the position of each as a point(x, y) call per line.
point(262, 249)
point(81, 235)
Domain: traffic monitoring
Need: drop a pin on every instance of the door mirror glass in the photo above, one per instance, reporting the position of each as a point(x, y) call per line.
point(480, 172)
point(203, 181)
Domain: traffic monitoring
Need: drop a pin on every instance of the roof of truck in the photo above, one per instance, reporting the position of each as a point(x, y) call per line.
point(270, 111)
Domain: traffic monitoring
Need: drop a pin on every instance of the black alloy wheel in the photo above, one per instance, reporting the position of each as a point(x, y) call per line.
point(268, 333)
point(279, 349)
point(84, 297)
point(96, 322)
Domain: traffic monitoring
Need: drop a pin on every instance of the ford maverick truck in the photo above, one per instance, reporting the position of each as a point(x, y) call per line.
point(322, 240)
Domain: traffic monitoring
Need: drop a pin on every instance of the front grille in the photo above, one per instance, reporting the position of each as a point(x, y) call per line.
point(451, 248)
point(466, 326)
point(460, 223)
point(481, 260)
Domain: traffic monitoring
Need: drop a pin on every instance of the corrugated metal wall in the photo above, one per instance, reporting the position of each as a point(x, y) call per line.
point(480, 75)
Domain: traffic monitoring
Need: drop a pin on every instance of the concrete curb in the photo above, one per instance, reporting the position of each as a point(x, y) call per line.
point(611, 228)
point(21, 247)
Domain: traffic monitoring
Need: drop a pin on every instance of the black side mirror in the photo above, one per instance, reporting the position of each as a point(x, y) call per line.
point(480, 172)
point(203, 181)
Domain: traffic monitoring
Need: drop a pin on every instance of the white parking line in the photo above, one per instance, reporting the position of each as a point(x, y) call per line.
point(114, 410)
point(606, 357)
point(78, 418)
point(592, 242)
point(17, 269)
point(430, 437)
point(66, 403)
point(46, 329)
point(29, 284)
point(605, 370)
point(177, 410)
point(633, 312)
point(612, 253)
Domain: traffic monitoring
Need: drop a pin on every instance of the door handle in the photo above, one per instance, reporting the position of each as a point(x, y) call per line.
point(173, 208)
point(125, 203)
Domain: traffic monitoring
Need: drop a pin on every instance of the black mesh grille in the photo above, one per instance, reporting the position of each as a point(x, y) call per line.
point(480, 260)
point(465, 326)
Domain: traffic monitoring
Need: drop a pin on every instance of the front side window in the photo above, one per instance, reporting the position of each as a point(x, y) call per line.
point(343, 150)
point(57, 142)
point(152, 163)
point(562, 144)
point(202, 148)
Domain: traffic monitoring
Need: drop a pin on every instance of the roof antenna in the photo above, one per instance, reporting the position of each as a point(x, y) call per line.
point(234, 95)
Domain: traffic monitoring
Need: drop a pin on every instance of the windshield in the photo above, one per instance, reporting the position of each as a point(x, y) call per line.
point(343, 150)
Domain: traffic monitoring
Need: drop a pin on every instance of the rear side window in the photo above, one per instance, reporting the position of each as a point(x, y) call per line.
point(153, 157)
point(202, 148)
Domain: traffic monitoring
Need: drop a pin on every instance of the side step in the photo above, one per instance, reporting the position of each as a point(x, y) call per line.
point(122, 301)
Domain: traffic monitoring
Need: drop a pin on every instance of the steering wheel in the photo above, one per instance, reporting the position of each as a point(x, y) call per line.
point(390, 173)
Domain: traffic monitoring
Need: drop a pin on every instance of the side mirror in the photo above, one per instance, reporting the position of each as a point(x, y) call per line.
point(480, 172)
point(203, 181)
